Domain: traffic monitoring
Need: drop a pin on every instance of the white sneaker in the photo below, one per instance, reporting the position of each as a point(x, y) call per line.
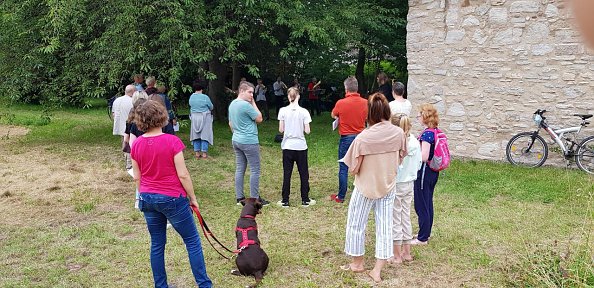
point(308, 203)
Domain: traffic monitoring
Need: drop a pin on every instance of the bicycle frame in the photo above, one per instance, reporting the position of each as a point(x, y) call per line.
point(557, 135)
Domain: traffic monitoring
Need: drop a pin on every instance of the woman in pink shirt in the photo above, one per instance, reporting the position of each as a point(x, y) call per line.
point(166, 191)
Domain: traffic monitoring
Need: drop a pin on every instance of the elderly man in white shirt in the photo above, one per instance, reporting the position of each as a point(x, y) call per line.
point(120, 110)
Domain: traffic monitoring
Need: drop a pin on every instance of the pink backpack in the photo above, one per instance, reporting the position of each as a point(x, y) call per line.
point(441, 152)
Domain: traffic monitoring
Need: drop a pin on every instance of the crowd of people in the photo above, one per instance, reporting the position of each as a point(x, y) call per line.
point(376, 146)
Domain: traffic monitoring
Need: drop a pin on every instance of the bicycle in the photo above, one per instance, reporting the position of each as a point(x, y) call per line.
point(530, 149)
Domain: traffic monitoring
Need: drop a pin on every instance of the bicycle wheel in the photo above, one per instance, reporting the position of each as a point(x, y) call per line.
point(585, 155)
point(522, 150)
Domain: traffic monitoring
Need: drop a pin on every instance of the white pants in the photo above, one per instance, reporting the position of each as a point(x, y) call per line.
point(359, 208)
point(402, 227)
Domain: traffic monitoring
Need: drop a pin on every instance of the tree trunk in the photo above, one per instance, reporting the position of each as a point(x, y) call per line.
point(360, 72)
point(216, 87)
point(236, 76)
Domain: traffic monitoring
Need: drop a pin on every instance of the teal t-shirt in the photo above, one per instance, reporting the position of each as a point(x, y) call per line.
point(243, 120)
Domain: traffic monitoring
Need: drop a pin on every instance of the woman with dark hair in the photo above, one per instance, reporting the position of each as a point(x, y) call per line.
point(373, 157)
point(166, 191)
point(201, 116)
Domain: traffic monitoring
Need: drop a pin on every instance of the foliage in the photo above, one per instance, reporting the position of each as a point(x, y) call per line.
point(61, 52)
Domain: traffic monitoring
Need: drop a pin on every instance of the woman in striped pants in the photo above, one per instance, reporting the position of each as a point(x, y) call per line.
point(373, 158)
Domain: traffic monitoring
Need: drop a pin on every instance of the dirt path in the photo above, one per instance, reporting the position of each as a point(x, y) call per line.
point(32, 181)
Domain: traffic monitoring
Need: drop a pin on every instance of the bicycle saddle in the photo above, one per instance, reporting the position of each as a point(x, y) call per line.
point(583, 116)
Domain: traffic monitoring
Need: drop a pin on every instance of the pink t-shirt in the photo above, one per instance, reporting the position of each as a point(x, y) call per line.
point(154, 156)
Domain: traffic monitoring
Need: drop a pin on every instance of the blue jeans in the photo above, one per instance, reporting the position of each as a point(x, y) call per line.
point(247, 154)
point(200, 145)
point(157, 210)
point(343, 171)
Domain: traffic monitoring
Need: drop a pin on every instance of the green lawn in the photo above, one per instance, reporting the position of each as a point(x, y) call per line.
point(68, 217)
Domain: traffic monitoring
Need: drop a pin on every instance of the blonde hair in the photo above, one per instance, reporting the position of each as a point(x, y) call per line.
point(402, 121)
point(156, 97)
point(292, 93)
point(139, 95)
point(429, 115)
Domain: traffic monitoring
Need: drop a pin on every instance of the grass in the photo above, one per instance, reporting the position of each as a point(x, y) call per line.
point(68, 217)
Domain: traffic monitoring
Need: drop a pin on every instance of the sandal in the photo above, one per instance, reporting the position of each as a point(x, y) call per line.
point(348, 267)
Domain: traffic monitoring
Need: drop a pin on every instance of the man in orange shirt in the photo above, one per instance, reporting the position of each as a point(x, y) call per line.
point(351, 113)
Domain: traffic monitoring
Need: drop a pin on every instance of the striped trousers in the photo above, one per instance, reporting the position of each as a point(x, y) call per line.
point(359, 208)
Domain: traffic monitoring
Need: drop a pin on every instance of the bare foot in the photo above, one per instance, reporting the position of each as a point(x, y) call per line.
point(407, 258)
point(395, 261)
point(375, 276)
point(352, 267)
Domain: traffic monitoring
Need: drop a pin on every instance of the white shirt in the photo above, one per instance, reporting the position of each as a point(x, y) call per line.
point(260, 93)
point(398, 107)
point(121, 108)
point(407, 171)
point(295, 118)
point(278, 88)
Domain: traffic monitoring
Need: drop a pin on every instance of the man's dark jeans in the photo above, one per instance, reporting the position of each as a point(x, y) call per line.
point(343, 146)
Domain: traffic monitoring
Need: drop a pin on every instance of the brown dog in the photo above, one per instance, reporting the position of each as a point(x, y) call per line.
point(251, 259)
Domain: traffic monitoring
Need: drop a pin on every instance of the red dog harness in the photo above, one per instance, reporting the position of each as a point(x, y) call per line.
point(245, 242)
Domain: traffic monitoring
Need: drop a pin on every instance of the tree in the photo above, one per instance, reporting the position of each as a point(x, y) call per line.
point(62, 51)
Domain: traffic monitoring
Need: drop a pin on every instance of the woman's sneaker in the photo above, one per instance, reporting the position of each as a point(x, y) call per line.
point(239, 201)
point(308, 203)
point(283, 204)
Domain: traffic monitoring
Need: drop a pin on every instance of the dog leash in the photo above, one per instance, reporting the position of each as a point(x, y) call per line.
point(208, 233)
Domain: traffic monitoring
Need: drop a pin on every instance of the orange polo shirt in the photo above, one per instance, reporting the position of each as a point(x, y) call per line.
point(352, 114)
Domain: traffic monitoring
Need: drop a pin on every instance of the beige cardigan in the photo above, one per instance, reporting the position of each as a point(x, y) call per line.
point(374, 157)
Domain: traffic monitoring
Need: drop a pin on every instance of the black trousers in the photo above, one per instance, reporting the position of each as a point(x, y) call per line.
point(279, 101)
point(314, 106)
point(289, 157)
point(263, 107)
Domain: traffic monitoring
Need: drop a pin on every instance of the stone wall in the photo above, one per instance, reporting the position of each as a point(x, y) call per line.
point(489, 64)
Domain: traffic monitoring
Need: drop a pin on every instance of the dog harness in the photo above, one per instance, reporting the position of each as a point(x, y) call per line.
point(245, 242)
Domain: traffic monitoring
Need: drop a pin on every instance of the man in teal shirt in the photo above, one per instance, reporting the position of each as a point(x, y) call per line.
point(243, 118)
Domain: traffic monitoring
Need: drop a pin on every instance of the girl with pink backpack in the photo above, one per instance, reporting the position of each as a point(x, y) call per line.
point(435, 157)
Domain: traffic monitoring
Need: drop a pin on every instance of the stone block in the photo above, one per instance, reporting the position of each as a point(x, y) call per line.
point(441, 72)
point(413, 27)
point(456, 110)
point(524, 7)
point(536, 33)
point(454, 36)
point(508, 36)
point(482, 9)
point(451, 18)
point(552, 12)
point(541, 49)
point(470, 21)
point(457, 126)
point(572, 92)
point(568, 77)
point(567, 49)
point(479, 37)
point(498, 15)
point(458, 62)
point(489, 149)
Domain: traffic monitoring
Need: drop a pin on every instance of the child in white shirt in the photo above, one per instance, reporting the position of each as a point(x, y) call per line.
point(406, 175)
